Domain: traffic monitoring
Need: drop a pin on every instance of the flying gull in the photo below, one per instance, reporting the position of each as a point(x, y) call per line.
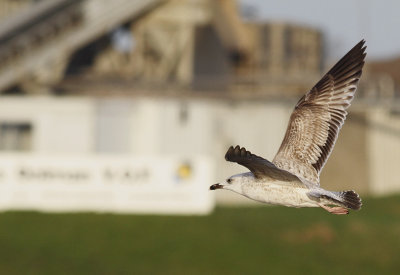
point(292, 178)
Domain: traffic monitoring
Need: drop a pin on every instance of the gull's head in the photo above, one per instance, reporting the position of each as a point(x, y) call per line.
point(234, 183)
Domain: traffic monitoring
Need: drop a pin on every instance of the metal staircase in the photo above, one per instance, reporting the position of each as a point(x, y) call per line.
point(36, 42)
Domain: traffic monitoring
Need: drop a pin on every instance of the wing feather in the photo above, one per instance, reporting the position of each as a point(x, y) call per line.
point(260, 167)
point(318, 116)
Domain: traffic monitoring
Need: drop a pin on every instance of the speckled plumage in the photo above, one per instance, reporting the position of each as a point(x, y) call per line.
point(292, 178)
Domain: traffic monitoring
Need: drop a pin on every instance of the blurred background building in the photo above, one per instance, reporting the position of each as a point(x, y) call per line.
point(181, 78)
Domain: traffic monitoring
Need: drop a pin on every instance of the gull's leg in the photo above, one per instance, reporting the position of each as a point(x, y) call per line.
point(335, 210)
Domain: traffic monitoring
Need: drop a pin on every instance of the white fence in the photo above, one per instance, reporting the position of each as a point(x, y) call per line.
point(159, 185)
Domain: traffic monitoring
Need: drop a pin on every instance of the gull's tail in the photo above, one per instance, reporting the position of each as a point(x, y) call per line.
point(347, 199)
point(350, 199)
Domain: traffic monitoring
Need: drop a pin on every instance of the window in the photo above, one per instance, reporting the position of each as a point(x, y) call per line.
point(15, 136)
point(183, 114)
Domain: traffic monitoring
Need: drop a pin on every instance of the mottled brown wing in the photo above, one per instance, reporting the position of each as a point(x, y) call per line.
point(318, 116)
point(261, 168)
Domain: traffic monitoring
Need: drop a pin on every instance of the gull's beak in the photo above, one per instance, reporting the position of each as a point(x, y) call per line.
point(216, 186)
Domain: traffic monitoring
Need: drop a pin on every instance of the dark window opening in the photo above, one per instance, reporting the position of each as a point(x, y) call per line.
point(15, 136)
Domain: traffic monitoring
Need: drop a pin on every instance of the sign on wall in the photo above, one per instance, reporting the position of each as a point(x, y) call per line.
point(160, 185)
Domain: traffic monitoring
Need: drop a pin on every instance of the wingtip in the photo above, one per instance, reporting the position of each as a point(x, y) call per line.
point(362, 47)
point(236, 151)
point(361, 44)
point(229, 152)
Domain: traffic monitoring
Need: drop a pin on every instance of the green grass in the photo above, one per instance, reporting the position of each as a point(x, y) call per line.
point(253, 240)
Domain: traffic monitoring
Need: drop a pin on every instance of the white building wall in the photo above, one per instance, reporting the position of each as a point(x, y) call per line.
point(384, 151)
point(145, 123)
point(185, 128)
point(60, 125)
point(113, 125)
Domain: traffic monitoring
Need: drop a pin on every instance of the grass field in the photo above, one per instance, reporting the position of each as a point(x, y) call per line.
point(253, 240)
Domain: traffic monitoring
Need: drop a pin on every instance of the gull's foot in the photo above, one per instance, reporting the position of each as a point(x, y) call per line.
point(335, 210)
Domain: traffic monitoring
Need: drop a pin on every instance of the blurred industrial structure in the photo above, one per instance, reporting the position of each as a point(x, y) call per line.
point(179, 77)
point(200, 44)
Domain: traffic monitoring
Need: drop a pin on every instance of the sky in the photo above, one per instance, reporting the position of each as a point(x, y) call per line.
point(343, 22)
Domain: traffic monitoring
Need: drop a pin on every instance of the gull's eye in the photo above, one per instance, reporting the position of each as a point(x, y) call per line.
point(229, 180)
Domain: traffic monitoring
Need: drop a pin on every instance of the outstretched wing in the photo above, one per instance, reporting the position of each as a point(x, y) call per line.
point(318, 116)
point(261, 168)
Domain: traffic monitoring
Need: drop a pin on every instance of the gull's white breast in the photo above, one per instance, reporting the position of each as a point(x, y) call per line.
point(278, 193)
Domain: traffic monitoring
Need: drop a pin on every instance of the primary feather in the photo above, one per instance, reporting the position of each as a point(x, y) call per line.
point(318, 116)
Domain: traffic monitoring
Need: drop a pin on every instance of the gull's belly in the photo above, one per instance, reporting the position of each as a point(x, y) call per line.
point(279, 194)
